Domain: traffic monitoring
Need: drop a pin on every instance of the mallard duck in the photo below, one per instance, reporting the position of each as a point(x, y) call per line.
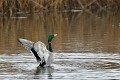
point(42, 53)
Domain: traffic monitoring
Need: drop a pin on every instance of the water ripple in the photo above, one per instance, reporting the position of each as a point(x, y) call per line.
point(66, 66)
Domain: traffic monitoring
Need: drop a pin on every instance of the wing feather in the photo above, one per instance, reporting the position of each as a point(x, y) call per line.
point(42, 51)
point(26, 43)
point(39, 50)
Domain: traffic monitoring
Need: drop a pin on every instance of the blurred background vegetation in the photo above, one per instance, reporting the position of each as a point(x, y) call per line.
point(12, 7)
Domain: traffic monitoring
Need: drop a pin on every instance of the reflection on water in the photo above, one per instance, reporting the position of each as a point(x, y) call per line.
point(41, 71)
point(77, 32)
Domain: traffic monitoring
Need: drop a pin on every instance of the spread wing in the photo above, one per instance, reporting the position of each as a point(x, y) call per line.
point(41, 50)
point(38, 49)
point(26, 43)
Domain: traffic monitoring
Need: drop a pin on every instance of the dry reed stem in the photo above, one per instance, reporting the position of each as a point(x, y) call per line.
point(12, 6)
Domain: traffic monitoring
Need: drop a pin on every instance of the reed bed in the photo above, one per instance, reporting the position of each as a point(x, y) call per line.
point(30, 6)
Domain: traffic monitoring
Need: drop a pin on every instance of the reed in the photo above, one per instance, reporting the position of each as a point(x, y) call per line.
point(14, 6)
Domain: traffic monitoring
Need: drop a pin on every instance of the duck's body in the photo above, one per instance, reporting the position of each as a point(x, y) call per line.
point(42, 52)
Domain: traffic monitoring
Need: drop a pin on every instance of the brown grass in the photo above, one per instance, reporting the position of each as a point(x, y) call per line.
point(12, 6)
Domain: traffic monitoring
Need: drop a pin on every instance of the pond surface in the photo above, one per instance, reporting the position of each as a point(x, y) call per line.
point(87, 46)
point(67, 66)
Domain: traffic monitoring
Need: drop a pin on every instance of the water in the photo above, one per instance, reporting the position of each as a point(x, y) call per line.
point(67, 66)
point(87, 46)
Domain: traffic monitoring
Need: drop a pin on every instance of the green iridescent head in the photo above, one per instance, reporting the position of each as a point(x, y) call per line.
point(51, 36)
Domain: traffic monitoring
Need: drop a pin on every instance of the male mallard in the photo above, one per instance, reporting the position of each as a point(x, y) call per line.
point(42, 52)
